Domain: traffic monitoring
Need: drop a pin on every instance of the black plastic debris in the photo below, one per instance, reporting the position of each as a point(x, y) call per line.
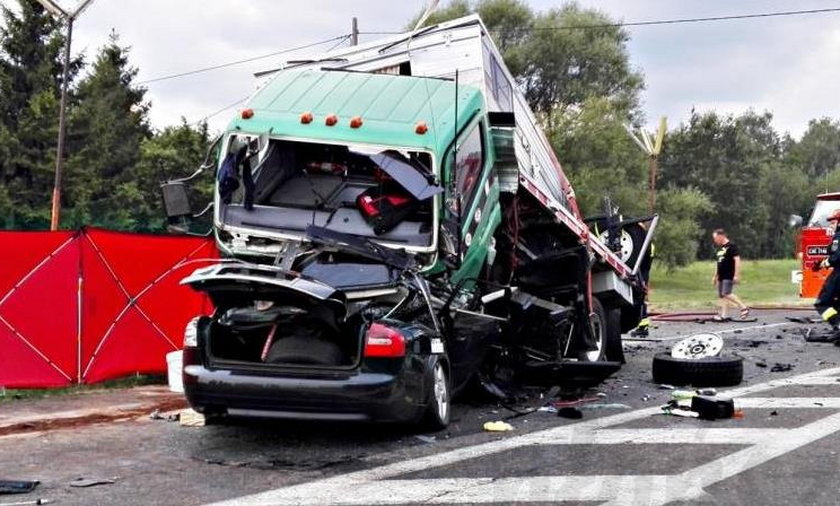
point(712, 408)
point(17, 486)
point(570, 413)
point(781, 367)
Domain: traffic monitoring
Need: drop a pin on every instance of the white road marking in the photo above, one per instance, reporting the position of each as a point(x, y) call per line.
point(379, 486)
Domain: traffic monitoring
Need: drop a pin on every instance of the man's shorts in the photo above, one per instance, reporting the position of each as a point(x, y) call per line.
point(725, 287)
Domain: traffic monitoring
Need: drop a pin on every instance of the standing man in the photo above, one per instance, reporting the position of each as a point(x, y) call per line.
point(727, 274)
point(827, 302)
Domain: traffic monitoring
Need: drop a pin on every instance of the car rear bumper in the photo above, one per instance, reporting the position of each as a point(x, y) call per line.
point(356, 396)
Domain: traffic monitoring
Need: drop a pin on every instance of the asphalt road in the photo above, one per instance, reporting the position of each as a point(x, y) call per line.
point(784, 450)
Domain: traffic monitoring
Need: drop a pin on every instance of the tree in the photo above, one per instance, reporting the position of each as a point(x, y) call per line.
point(175, 152)
point(679, 233)
point(600, 158)
point(107, 126)
point(560, 58)
point(30, 79)
point(726, 158)
point(818, 152)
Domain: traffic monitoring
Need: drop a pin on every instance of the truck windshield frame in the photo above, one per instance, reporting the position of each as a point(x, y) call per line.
point(282, 213)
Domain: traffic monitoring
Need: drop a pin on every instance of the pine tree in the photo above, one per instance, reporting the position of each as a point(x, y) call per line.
point(30, 78)
point(107, 127)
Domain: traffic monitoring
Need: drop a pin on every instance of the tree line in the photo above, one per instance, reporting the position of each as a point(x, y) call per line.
point(715, 170)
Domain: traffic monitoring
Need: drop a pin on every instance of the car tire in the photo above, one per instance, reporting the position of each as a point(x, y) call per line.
point(439, 402)
point(304, 350)
point(719, 371)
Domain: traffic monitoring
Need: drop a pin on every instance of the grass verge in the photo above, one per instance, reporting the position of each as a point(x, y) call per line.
point(763, 283)
point(14, 394)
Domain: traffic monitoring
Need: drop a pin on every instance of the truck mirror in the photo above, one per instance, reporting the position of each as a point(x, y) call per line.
point(795, 221)
point(175, 201)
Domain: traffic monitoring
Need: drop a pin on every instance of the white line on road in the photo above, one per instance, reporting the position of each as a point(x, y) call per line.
point(379, 486)
point(725, 331)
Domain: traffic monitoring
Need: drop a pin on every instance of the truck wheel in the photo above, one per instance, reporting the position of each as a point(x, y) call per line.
point(599, 324)
point(439, 405)
point(702, 372)
point(606, 327)
point(614, 349)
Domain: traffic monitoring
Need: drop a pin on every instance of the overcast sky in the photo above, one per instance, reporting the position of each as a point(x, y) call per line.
point(788, 65)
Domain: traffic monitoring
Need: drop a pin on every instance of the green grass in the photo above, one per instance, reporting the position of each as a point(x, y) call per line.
point(763, 283)
point(13, 394)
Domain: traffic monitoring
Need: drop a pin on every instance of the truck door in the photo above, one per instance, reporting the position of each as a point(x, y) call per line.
point(471, 201)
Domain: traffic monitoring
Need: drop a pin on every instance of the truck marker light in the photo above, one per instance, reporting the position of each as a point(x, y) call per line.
point(383, 341)
point(331, 120)
point(421, 128)
point(306, 118)
point(247, 113)
point(355, 122)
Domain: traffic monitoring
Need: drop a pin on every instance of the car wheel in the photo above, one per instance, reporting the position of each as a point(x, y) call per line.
point(439, 405)
point(719, 371)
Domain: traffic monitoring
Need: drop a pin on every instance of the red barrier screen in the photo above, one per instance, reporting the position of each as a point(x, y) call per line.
point(83, 307)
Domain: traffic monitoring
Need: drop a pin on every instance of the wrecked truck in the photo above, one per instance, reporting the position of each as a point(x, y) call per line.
point(395, 230)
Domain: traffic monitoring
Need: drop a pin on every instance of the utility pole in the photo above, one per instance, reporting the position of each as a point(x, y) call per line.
point(354, 32)
point(69, 18)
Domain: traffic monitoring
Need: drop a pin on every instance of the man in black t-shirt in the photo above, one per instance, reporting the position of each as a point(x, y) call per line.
point(727, 274)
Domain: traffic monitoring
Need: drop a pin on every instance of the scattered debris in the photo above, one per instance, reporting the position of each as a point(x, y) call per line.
point(819, 404)
point(17, 486)
point(781, 367)
point(675, 411)
point(28, 503)
point(612, 405)
point(155, 415)
point(666, 387)
point(645, 398)
point(801, 319)
point(738, 331)
point(712, 408)
point(191, 418)
point(426, 439)
point(497, 426)
point(774, 413)
point(92, 482)
point(571, 413)
point(756, 344)
point(761, 364)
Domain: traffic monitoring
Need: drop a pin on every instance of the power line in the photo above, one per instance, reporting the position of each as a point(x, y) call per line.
point(664, 21)
point(223, 109)
point(239, 62)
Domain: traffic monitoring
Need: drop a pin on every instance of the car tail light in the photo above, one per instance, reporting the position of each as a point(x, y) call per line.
point(383, 341)
point(191, 333)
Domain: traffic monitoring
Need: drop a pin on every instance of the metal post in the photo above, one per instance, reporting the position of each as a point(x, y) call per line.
point(59, 155)
point(354, 32)
point(652, 189)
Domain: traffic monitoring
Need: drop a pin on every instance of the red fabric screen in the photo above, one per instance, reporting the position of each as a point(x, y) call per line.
point(94, 305)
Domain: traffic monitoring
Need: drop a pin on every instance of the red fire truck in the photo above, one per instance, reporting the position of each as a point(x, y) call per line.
point(813, 244)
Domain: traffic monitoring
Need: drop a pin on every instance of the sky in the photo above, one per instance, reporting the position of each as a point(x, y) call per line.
point(787, 65)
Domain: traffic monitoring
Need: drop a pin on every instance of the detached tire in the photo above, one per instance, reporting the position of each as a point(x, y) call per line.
point(704, 372)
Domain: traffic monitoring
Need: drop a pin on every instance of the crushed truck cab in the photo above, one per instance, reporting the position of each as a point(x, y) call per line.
point(397, 230)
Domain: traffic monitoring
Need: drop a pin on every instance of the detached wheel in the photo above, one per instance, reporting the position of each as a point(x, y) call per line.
point(701, 372)
point(439, 405)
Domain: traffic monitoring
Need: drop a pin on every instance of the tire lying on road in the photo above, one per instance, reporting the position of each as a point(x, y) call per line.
point(719, 371)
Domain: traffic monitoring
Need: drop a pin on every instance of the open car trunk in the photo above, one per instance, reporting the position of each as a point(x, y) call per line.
point(266, 317)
